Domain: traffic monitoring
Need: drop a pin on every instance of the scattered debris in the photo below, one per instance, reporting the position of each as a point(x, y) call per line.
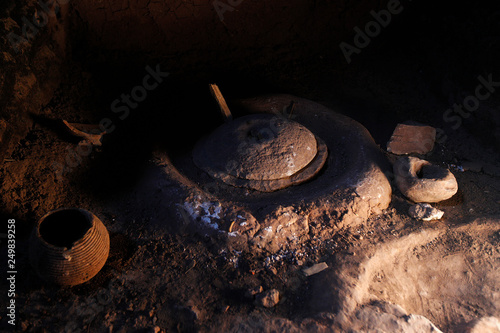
point(272, 270)
point(415, 138)
point(204, 211)
point(268, 299)
point(425, 212)
point(315, 269)
point(456, 167)
point(422, 181)
point(90, 133)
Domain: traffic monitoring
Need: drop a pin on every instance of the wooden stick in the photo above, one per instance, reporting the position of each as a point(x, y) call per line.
point(291, 107)
point(94, 139)
point(224, 109)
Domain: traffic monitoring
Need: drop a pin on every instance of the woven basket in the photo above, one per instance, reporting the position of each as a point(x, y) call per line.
point(69, 246)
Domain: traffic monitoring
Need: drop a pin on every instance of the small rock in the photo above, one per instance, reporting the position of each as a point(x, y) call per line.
point(408, 139)
point(192, 312)
point(315, 269)
point(250, 293)
point(425, 212)
point(273, 270)
point(268, 298)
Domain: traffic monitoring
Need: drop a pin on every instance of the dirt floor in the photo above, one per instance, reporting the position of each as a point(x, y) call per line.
point(166, 273)
point(169, 277)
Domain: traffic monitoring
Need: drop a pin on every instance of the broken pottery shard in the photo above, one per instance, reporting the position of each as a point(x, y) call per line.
point(268, 298)
point(422, 181)
point(425, 212)
point(408, 139)
point(315, 269)
point(90, 133)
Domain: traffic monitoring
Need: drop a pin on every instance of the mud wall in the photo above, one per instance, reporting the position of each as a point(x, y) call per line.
point(33, 49)
point(221, 34)
point(197, 37)
point(267, 40)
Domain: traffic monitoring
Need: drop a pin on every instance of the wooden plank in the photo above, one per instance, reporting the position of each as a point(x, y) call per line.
point(224, 109)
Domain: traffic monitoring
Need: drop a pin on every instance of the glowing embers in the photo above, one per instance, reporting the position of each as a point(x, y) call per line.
point(263, 152)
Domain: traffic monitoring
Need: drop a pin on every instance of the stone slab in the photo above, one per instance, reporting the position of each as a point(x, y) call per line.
point(409, 139)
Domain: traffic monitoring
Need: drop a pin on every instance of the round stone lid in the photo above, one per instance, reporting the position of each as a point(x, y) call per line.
point(257, 147)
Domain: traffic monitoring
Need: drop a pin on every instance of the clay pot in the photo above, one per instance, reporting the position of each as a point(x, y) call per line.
point(69, 246)
point(421, 181)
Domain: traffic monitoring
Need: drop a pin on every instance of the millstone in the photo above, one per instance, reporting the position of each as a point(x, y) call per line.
point(263, 151)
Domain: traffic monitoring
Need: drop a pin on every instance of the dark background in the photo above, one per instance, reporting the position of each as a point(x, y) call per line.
point(426, 59)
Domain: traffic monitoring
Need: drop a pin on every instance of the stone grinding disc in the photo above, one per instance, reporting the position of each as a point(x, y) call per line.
point(263, 152)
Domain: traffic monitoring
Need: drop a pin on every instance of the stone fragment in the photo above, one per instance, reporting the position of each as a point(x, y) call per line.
point(425, 212)
point(268, 299)
point(315, 269)
point(193, 312)
point(408, 139)
point(272, 270)
point(421, 181)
